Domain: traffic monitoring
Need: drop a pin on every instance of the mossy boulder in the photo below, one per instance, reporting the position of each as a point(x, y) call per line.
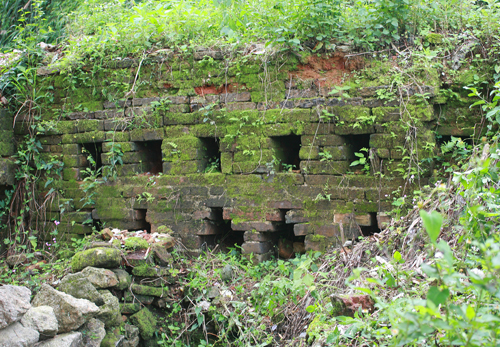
point(146, 322)
point(124, 279)
point(109, 313)
point(135, 243)
point(78, 286)
point(102, 257)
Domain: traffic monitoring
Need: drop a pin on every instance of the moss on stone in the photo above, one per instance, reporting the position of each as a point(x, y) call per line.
point(146, 322)
point(136, 243)
point(96, 257)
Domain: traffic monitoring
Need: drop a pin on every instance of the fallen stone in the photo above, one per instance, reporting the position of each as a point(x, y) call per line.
point(146, 322)
point(93, 333)
point(14, 303)
point(41, 319)
point(227, 273)
point(106, 234)
point(285, 248)
point(149, 291)
point(132, 342)
point(124, 279)
point(100, 278)
point(16, 259)
point(16, 335)
point(113, 340)
point(137, 298)
point(129, 308)
point(72, 339)
point(71, 312)
point(161, 254)
point(102, 257)
point(78, 286)
point(131, 335)
point(110, 311)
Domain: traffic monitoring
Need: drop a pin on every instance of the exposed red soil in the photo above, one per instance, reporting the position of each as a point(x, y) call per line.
point(229, 88)
point(327, 72)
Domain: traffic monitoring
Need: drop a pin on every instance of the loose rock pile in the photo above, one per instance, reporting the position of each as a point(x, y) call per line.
point(109, 288)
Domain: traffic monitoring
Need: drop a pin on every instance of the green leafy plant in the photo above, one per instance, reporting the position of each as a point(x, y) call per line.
point(362, 160)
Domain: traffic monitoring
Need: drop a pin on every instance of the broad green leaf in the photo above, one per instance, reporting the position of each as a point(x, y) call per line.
point(436, 296)
point(432, 223)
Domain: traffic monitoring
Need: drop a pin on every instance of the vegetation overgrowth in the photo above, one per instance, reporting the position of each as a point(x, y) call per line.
point(100, 29)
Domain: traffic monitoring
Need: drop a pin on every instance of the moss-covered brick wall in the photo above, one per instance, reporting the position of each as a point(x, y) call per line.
point(242, 149)
point(7, 167)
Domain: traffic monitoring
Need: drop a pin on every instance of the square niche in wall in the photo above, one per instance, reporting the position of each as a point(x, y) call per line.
point(210, 154)
point(150, 155)
point(92, 153)
point(286, 152)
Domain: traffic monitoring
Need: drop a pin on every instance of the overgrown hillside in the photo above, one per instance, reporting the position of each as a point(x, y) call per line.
point(430, 278)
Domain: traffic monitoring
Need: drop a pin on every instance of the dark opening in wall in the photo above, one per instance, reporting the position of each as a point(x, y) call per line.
point(141, 223)
point(357, 142)
point(211, 155)
point(373, 228)
point(288, 244)
point(92, 152)
point(151, 156)
point(286, 151)
point(227, 238)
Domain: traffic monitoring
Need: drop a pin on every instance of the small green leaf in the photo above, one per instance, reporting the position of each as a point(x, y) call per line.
point(432, 223)
point(311, 308)
point(397, 256)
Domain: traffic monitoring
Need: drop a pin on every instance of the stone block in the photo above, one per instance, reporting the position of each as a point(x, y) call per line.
point(309, 153)
point(323, 140)
point(319, 243)
point(205, 213)
point(239, 106)
point(350, 130)
point(257, 247)
point(328, 230)
point(286, 204)
point(257, 226)
point(255, 236)
point(275, 216)
point(312, 167)
point(301, 93)
point(209, 228)
point(235, 97)
point(7, 172)
point(301, 229)
point(296, 216)
point(337, 153)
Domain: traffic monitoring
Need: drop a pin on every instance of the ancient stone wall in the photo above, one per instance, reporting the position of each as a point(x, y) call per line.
point(248, 150)
point(7, 168)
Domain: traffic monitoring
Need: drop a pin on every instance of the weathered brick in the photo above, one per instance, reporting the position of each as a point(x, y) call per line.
point(328, 230)
point(312, 167)
point(251, 235)
point(239, 106)
point(295, 216)
point(256, 247)
point(301, 93)
point(323, 140)
point(301, 229)
point(257, 226)
point(235, 97)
